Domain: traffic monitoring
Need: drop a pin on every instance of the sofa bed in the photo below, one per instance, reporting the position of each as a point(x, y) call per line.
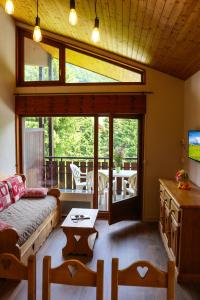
point(27, 216)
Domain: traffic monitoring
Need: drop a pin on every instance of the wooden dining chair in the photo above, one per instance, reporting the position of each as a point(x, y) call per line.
point(144, 274)
point(12, 268)
point(72, 272)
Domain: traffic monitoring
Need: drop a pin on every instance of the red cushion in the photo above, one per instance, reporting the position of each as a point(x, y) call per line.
point(4, 225)
point(35, 193)
point(5, 199)
point(16, 187)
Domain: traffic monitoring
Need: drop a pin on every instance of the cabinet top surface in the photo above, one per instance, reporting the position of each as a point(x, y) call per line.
point(184, 198)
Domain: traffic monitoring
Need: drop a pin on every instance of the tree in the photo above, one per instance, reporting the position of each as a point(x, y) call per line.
point(74, 136)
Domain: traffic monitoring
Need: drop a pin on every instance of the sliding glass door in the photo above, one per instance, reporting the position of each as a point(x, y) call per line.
point(95, 159)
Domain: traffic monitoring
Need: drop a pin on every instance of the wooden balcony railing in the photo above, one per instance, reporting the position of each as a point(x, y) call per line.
point(57, 172)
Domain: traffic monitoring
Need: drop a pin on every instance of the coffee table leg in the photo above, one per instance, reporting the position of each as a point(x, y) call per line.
point(80, 246)
point(97, 233)
point(83, 246)
point(69, 247)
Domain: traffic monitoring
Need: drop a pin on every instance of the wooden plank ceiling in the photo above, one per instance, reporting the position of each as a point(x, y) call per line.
point(163, 34)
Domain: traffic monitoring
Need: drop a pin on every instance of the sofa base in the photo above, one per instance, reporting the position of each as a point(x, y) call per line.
point(9, 238)
point(32, 245)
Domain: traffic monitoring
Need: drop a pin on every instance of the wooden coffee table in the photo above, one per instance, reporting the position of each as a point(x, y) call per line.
point(81, 234)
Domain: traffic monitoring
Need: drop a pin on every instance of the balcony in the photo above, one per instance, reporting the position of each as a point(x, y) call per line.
point(57, 172)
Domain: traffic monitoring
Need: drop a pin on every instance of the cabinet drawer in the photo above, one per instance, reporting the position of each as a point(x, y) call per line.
point(175, 238)
point(165, 196)
point(167, 199)
point(176, 213)
point(162, 191)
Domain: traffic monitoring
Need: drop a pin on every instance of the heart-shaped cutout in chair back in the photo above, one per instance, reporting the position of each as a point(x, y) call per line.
point(72, 270)
point(142, 271)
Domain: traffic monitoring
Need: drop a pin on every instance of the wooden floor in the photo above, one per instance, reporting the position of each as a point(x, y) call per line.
point(127, 240)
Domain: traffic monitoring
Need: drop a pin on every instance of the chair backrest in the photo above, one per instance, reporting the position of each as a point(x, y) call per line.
point(102, 181)
point(132, 180)
point(72, 272)
point(76, 172)
point(12, 268)
point(90, 180)
point(143, 273)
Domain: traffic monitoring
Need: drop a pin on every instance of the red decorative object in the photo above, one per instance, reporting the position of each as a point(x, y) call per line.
point(182, 179)
point(16, 187)
point(5, 199)
point(184, 185)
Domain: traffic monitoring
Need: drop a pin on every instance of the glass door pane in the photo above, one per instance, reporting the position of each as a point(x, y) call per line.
point(103, 163)
point(125, 158)
point(59, 152)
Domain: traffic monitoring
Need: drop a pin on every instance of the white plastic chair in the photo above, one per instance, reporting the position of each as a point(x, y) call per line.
point(102, 181)
point(78, 175)
point(103, 184)
point(130, 186)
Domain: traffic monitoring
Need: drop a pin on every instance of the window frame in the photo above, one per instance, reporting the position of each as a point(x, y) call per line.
point(61, 45)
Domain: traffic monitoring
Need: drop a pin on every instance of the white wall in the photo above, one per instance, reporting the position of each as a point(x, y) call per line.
point(7, 86)
point(192, 121)
point(163, 133)
point(163, 128)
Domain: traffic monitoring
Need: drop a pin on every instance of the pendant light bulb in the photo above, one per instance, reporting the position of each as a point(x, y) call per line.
point(37, 34)
point(9, 7)
point(73, 19)
point(95, 32)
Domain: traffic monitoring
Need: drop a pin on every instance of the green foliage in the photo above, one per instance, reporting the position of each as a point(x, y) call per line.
point(74, 136)
point(32, 72)
point(125, 136)
point(75, 74)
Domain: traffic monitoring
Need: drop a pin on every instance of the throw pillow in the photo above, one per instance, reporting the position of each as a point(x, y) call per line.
point(35, 193)
point(5, 199)
point(16, 187)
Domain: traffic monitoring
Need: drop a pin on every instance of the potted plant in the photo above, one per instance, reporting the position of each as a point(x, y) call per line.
point(118, 156)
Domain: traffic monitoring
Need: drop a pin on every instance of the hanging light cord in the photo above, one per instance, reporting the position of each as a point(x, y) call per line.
point(37, 8)
point(37, 20)
point(96, 18)
point(95, 8)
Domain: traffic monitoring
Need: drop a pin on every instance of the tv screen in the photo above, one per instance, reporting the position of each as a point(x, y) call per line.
point(194, 144)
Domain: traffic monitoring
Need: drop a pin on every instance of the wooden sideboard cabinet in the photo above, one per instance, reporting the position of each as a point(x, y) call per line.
point(179, 226)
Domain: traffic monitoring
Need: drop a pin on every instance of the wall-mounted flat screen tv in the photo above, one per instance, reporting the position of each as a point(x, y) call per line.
point(194, 144)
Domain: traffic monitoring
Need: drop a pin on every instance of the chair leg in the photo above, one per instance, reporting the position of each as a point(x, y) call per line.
point(46, 289)
point(106, 200)
point(79, 187)
point(114, 279)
